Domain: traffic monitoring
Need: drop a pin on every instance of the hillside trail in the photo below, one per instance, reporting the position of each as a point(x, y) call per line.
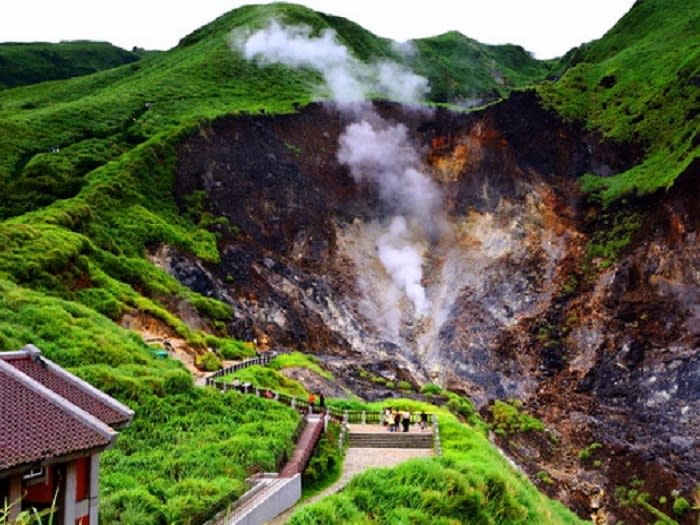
point(357, 460)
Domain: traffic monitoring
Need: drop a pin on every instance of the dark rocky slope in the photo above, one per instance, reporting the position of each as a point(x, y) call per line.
point(602, 354)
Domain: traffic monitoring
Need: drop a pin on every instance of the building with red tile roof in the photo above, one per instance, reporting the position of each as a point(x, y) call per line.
point(53, 427)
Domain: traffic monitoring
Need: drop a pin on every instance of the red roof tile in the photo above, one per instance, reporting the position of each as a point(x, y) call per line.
point(37, 425)
point(67, 386)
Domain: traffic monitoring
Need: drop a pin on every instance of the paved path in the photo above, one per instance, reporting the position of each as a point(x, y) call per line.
point(356, 461)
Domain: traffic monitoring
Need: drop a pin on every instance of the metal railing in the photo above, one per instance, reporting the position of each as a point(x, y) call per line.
point(262, 359)
point(437, 446)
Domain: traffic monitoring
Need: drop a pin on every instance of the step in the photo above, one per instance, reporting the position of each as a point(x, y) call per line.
point(390, 440)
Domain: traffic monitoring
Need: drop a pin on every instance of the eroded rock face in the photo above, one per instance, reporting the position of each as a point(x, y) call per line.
point(609, 358)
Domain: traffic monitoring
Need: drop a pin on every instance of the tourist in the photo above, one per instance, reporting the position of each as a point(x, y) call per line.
point(386, 416)
point(397, 421)
point(405, 420)
point(423, 420)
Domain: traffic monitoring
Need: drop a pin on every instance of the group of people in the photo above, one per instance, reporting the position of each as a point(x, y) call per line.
point(397, 420)
point(321, 400)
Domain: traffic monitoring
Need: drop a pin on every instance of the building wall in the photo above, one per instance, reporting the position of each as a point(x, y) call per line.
point(40, 492)
point(76, 483)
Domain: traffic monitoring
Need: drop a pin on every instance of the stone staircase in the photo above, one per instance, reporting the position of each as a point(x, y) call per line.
point(358, 439)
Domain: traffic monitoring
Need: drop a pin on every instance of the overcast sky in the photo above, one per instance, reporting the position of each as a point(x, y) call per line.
point(548, 28)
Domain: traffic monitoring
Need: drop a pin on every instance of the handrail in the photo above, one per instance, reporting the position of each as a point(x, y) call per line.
point(262, 359)
point(303, 406)
point(437, 446)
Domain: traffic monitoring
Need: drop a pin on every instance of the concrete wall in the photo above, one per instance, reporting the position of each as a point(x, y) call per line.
point(276, 502)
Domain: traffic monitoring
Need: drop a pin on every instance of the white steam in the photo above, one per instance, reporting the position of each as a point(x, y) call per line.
point(382, 155)
point(376, 152)
point(347, 79)
point(401, 257)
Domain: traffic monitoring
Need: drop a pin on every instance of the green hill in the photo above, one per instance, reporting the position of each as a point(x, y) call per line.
point(29, 63)
point(463, 71)
point(639, 83)
point(86, 173)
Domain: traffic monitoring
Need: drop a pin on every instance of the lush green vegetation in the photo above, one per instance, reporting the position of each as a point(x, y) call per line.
point(188, 450)
point(508, 417)
point(187, 455)
point(325, 466)
point(465, 72)
point(29, 63)
point(639, 83)
point(299, 360)
point(471, 483)
point(269, 377)
point(86, 173)
point(265, 378)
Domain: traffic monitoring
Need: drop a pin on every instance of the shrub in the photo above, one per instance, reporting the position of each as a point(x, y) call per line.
point(299, 360)
point(325, 464)
point(680, 506)
point(404, 385)
point(507, 418)
point(544, 477)
point(131, 506)
point(587, 452)
point(431, 389)
point(234, 349)
point(208, 362)
point(177, 381)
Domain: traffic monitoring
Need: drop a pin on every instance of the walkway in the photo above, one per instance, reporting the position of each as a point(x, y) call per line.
point(358, 460)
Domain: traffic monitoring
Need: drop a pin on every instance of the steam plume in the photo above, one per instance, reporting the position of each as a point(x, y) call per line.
point(403, 260)
point(347, 79)
point(382, 155)
point(375, 151)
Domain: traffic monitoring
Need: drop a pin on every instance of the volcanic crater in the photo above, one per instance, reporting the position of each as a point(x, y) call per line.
point(512, 308)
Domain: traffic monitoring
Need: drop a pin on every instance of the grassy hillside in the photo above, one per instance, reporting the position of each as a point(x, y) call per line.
point(471, 483)
point(639, 83)
point(86, 170)
point(29, 63)
point(466, 72)
point(188, 450)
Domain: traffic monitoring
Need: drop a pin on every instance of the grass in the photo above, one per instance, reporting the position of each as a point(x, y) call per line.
point(326, 464)
point(471, 483)
point(507, 417)
point(466, 72)
point(299, 360)
point(188, 454)
point(159, 471)
point(638, 84)
point(266, 378)
point(29, 63)
point(86, 172)
point(270, 376)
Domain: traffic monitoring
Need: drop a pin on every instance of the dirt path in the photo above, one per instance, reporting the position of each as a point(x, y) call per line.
point(358, 460)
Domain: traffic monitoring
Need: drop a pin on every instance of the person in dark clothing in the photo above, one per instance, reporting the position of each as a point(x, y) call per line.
point(397, 420)
point(405, 420)
point(423, 420)
point(322, 402)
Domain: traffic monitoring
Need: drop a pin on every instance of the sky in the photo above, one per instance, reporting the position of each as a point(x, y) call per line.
point(547, 28)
